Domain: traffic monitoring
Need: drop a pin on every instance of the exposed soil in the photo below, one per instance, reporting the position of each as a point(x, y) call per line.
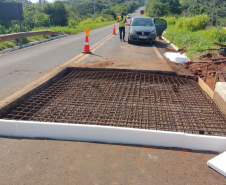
point(98, 65)
point(199, 68)
point(164, 47)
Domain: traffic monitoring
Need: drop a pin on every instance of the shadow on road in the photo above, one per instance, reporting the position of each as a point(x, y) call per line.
point(157, 44)
point(142, 44)
point(161, 44)
point(96, 55)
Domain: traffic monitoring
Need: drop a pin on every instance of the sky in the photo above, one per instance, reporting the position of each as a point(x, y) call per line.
point(36, 1)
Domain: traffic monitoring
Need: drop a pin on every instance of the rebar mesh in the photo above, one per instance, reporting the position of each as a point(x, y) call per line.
point(126, 99)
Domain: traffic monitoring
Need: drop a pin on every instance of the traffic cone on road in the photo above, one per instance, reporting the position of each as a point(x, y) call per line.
point(114, 32)
point(86, 47)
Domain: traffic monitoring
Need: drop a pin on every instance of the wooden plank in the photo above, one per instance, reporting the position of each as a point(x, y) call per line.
point(219, 44)
point(219, 62)
point(215, 80)
point(220, 102)
point(221, 78)
point(205, 87)
point(206, 73)
point(201, 61)
point(216, 59)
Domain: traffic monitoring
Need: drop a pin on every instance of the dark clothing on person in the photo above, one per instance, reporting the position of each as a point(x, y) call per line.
point(122, 32)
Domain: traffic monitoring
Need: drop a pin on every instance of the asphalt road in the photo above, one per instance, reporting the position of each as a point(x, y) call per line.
point(36, 161)
point(19, 68)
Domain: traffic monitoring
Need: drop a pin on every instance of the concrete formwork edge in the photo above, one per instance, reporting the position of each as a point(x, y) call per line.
point(107, 134)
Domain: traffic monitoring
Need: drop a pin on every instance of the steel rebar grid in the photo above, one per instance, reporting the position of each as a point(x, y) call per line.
point(126, 99)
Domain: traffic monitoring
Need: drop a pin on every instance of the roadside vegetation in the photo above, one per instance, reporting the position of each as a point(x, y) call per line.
point(195, 43)
point(189, 23)
point(187, 8)
point(71, 17)
point(191, 35)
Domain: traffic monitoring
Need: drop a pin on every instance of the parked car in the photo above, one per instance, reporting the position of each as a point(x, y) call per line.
point(129, 16)
point(145, 29)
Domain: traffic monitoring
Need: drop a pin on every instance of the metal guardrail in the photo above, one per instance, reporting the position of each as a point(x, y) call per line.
point(26, 34)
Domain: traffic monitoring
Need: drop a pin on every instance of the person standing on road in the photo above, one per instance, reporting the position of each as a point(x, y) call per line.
point(122, 20)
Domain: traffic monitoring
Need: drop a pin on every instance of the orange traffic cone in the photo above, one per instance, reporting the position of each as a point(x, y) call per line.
point(86, 47)
point(114, 32)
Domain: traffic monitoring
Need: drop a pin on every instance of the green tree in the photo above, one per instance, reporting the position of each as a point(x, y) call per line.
point(34, 17)
point(158, 9)
point(175, 6)
point(60, 17)
point(57, 13)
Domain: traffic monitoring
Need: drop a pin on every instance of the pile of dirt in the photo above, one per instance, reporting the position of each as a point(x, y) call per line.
point(98, 64)
point(210, 56)
point(199, 68)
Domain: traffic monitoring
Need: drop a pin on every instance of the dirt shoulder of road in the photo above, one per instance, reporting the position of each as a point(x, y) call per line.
point(179, 69)
point(199, 68)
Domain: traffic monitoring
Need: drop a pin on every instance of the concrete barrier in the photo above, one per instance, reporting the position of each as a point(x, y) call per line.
point(107, 134)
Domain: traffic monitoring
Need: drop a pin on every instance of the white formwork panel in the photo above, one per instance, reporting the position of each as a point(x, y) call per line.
point(8, 128)
point(107, 134)
point(220, 88)
point(99, 134)
point(205, 143)
point(218, 163)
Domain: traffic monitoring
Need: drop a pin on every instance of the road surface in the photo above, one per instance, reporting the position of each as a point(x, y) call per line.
point(31, 161)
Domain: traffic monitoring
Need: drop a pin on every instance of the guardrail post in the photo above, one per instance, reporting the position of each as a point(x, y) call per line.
point(20, 26)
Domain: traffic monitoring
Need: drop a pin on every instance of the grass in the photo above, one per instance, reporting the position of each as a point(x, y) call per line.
point(195, 43)
point(77, 29)
point(68, 30)
point(7, 44)
point(170, 20)
point(194, 23)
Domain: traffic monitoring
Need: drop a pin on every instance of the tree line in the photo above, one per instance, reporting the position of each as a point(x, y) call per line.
point(69, 12)
point(187, 8)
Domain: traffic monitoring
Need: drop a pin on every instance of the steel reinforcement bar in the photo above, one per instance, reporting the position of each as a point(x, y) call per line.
point(126, 99)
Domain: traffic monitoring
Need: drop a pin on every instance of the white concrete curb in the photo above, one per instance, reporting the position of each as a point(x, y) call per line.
point(31, 44)
point(107, 134)
point(174, 47)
